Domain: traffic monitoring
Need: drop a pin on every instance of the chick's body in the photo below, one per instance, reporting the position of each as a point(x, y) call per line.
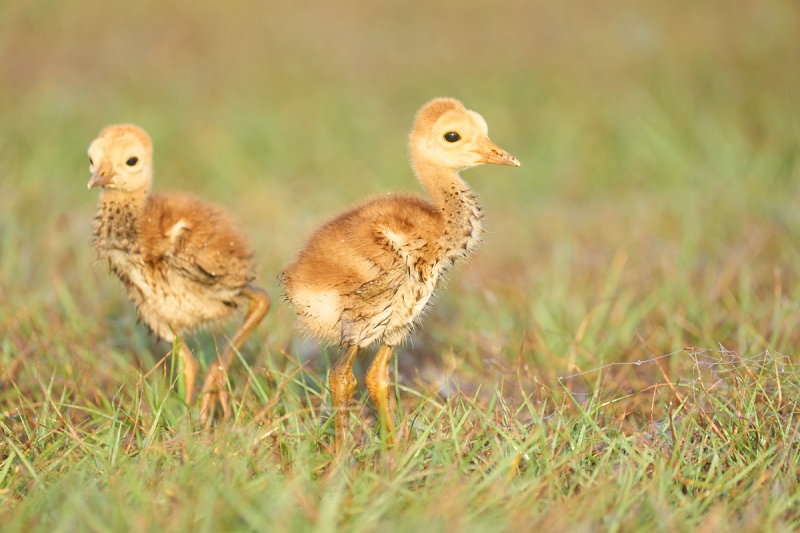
point(183, 261)
point(367, 275)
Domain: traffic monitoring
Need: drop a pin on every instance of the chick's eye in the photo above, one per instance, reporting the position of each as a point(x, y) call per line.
point(132, 161)
point(91, 162)
point(452, 137)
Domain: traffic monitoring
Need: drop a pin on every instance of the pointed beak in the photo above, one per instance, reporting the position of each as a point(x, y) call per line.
point(495, 155)
point(100, 178)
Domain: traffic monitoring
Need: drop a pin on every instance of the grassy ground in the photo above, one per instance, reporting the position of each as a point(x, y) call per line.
point(655, 214)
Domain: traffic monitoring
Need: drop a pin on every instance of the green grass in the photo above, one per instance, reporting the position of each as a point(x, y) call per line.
point(655, 213)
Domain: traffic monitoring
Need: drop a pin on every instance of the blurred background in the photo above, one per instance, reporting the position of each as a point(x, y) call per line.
point(656, 205)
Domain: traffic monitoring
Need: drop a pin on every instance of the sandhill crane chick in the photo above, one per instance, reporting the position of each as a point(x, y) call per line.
point(365, 276)
point(183, 262)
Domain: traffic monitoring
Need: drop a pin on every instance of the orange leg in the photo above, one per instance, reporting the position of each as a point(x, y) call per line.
point(215, 381)
point(190, 369)
point(378, 383)
point(343, 385)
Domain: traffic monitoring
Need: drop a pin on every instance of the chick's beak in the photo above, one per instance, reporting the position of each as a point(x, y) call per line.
point(100, 178)
point(495, 155)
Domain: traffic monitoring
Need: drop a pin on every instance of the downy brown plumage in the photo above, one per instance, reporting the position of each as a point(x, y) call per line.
point(183, 262)
point(365, 276)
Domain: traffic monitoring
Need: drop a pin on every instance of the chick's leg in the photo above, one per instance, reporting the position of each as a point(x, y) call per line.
point(343, 385)
point(215, 380)
point(378, 383)
point(190, 369)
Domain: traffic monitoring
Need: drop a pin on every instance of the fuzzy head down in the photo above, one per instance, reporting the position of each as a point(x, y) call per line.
point(121, 158)
point(447, 134)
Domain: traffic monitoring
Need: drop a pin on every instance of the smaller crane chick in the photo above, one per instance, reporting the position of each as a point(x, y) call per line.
point(183, 262)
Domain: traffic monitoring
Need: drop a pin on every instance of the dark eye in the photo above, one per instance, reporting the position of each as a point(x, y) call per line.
point(90, 161)
point(452, 137)
point(132, 161)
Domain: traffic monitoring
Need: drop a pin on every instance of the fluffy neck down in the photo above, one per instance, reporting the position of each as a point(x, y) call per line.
point(116, 225)
point(459, 209)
